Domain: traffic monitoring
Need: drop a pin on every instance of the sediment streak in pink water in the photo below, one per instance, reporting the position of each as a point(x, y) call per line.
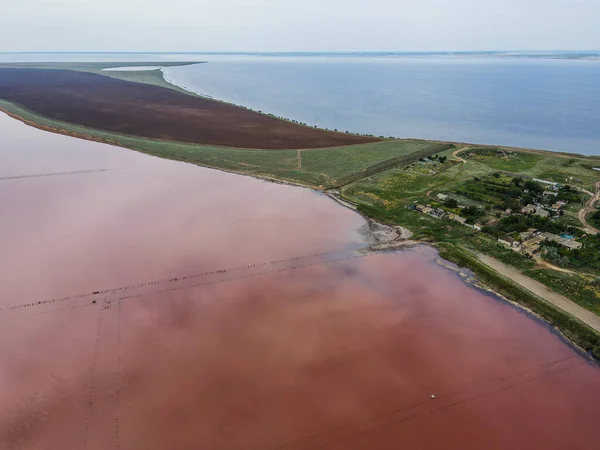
point(232, 314)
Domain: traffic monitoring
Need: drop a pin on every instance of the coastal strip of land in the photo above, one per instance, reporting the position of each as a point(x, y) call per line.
point(582, 334)
point(137, 109)
point(560, 301)
point(482, 206)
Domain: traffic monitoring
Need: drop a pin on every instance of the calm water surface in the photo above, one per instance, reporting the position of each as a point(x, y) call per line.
point(551, 104)
point(230, 313)
point(537, 103)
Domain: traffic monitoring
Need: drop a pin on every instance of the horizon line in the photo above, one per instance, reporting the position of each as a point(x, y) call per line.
point(302, 52)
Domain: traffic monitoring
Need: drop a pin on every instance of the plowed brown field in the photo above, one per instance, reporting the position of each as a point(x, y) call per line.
point(148, 111)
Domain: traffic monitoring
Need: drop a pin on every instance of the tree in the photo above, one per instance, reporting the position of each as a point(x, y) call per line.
point(595, 218)
point(517, 181)
point(533, 186)
point(443, 159)
point(552, 254)
point(527, 199)
point(472, 213)
point(451, 203)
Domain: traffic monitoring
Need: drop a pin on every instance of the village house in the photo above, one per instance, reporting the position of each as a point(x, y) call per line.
point(437, 213)
point(524, 235)
point(551, 193)
point(442, 197)
point(571, 245)
point(567, 243)
point(549, 183)
point(433, 212)
point(511, 242)
point(529, 209)
point(457, 218)
point(532, 245)
point(506, 242)
point(537, 210)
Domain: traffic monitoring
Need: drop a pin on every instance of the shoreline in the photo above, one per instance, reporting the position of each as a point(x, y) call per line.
point(493, 286)
point(493, 282)
point(573, 329)
point(474, 281)
point(192, 92)
point(433, 141)
point(89, 137)
point(189, 91)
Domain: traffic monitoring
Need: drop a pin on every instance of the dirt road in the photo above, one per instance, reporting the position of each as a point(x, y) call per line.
point(539, 260)
point(588, 208)
point(456, 152)
point(458, 158)
point(560, 301)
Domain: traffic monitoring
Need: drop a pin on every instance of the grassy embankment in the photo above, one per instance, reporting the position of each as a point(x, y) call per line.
point(324, 168)
point(571, 328)
point(384, 177)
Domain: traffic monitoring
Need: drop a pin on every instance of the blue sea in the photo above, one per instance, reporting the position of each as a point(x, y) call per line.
point(543, 101)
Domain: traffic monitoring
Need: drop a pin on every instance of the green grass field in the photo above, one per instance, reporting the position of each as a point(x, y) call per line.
point(320, 168)
point(398, 187)
point(505, 161)
point(575, 170)
point(342, 165)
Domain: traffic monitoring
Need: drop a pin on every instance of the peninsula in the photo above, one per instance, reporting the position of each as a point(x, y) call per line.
point(525, 221)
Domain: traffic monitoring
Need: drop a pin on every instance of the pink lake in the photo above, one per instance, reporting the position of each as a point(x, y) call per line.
point(151, 304)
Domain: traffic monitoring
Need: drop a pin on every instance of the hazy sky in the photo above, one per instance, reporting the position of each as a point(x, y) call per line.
point(304, 25)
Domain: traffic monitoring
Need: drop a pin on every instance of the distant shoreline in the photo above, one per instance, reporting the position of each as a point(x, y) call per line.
point(547, 54)
point(437, 141)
